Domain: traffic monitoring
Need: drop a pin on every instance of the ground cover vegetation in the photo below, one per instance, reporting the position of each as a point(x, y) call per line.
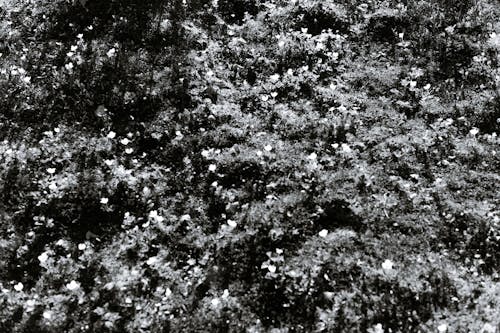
point(249, 165)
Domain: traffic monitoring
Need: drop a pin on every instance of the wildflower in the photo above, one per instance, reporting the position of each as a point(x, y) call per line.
point(124, 141)
point(69, 66)
point(82, 246)
point(346, 148)
point(111, 53)
point(51, 170)
point(323, 233)
point(215, 302)
point(47, 315)
point(387, 264)
point(43, 257)
point(275, 77)
point(129, 151)
point(151, 261)
point(268, 148)
point(19, 286)
point(154, 215)
point(104, 201)
point(73, 285)
point(442, 328)
point(212, 167)
point(378, 328)
point(312, 156)
point(232, 223)
point(111, 135)
point(474, 131)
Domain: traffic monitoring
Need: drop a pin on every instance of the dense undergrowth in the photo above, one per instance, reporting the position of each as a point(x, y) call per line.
point(249, 165)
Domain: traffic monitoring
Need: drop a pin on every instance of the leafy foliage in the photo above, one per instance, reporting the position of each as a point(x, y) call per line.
point(259, 166)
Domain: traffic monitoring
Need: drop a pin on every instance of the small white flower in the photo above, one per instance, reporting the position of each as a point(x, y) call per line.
point(281, 43)
point(387, 264)
point(212, 167)
point(154, 215)
point(51, 170)
point(73, 285)
point(111, 135)
point(69, 66)
point(124, 141)
point(289, 71)
point(320, 46)
point(53, 186)
point(82, 246)
point(268, 148)
point(323, 233)
point(111, 53)
point(232, 223)
point(43, 257)
point(312, 156)
point(488, 328)
point(104, 201)
point(151, 261)
point(442, 328)
point(474, 131)
point(346, 148)
point(205, 153)
point(264, 98)
point(215, 302)
point(80, 36)
point(128, 300)
point(271, 269)
point(27, 79)
point(19, 286)
point(378, 328)
point(129, 151)
point(275, 77)
point(274, 94)
point(109, 162)
point(168, 292)
point(47, 314)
